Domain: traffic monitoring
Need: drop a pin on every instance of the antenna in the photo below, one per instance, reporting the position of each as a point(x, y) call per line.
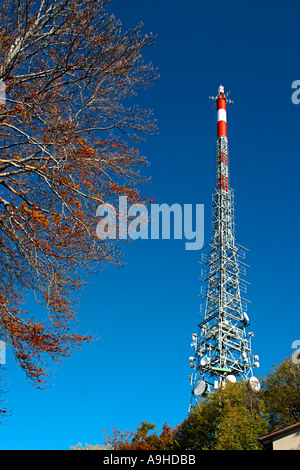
point(221, 94)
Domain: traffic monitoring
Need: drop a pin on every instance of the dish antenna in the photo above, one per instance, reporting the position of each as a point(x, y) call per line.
point(201, 388)
point(231, 379)
point(254, 384)
point(204, 361)
point(246, 317)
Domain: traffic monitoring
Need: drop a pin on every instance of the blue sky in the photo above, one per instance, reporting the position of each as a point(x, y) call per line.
point(145, 312)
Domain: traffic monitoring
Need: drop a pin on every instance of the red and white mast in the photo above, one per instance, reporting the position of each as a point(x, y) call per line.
point(221, 113)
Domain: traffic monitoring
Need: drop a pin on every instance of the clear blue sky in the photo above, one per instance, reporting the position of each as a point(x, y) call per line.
point(144, 313)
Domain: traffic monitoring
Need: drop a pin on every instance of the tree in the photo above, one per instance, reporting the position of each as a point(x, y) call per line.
point(145, 437)
point(241, 423)
point(68, 70)
point(281, 394)
point(231, 418)
point(141, 438)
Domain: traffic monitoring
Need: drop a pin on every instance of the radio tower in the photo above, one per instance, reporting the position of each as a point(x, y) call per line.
point(222, 348)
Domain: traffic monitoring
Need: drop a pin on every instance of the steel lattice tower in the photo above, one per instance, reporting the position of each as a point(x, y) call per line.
point(222, 349)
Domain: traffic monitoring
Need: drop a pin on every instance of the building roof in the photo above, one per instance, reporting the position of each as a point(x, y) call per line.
point(279, 433)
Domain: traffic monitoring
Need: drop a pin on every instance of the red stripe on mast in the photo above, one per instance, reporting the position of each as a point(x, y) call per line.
point(221, 113)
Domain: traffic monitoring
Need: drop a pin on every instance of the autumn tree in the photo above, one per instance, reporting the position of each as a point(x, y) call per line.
point(68, 139)
point(281, 394)
point(145, 437)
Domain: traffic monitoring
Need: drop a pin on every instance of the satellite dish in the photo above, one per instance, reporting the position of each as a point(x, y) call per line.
point(204, 361)
point(231, 379)
point(200, 388)
point(246, 316)
point(254, 384)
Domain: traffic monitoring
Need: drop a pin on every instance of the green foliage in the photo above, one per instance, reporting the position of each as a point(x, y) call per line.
point(230, 419)
point(281, 394)
point(235, 416)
